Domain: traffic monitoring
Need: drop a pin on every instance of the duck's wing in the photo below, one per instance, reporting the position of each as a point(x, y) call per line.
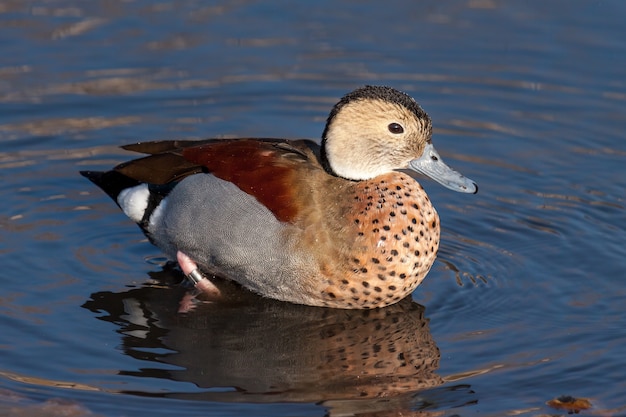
point(263, 168)
point(272, 171)
point(173, 160)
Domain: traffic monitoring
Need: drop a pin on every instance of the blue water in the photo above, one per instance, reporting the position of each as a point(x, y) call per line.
point(525, 301)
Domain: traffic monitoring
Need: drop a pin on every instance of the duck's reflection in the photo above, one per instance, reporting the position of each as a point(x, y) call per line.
point(258, 350)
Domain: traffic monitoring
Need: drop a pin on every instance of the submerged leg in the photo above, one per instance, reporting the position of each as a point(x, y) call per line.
point(191, 271)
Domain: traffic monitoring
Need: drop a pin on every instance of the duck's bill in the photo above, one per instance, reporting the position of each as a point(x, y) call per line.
point(431, 165)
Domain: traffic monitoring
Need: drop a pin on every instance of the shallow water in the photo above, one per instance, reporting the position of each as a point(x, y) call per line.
point(525, 301)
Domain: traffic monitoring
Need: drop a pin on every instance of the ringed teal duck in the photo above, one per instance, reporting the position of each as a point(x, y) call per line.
point(337, 225)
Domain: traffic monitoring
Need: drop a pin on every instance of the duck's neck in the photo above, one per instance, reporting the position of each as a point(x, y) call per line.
point(324, 159)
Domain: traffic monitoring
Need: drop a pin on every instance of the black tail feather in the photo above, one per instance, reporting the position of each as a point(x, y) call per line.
point(111, 182)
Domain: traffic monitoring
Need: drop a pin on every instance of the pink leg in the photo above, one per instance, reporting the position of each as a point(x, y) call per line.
point(187, 265)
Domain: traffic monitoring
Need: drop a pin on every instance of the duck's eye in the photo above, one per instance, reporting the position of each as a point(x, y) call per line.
point(395, 128)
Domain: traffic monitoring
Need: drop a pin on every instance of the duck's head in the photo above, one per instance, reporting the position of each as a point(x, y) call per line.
point(375, 130)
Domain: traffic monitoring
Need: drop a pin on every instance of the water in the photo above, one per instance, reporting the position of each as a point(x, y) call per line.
point(524, 303)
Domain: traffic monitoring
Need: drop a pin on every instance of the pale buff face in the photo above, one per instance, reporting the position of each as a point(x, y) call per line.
point(360, 144)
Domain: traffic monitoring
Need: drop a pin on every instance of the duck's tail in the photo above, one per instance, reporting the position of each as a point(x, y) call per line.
point(111, 182)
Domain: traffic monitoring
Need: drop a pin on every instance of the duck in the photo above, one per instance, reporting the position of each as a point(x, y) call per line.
point(339, 223)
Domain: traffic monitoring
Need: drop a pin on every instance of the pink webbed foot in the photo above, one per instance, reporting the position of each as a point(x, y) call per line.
point(191, 271)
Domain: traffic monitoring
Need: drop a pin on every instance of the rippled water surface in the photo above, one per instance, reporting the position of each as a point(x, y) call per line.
point(524, 304)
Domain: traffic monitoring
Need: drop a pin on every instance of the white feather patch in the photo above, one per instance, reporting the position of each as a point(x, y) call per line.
point(134, 201)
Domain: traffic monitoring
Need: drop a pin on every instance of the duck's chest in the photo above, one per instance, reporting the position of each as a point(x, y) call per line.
point(394, 237)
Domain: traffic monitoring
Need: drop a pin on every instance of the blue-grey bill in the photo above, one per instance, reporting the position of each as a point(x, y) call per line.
point(431, 165)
